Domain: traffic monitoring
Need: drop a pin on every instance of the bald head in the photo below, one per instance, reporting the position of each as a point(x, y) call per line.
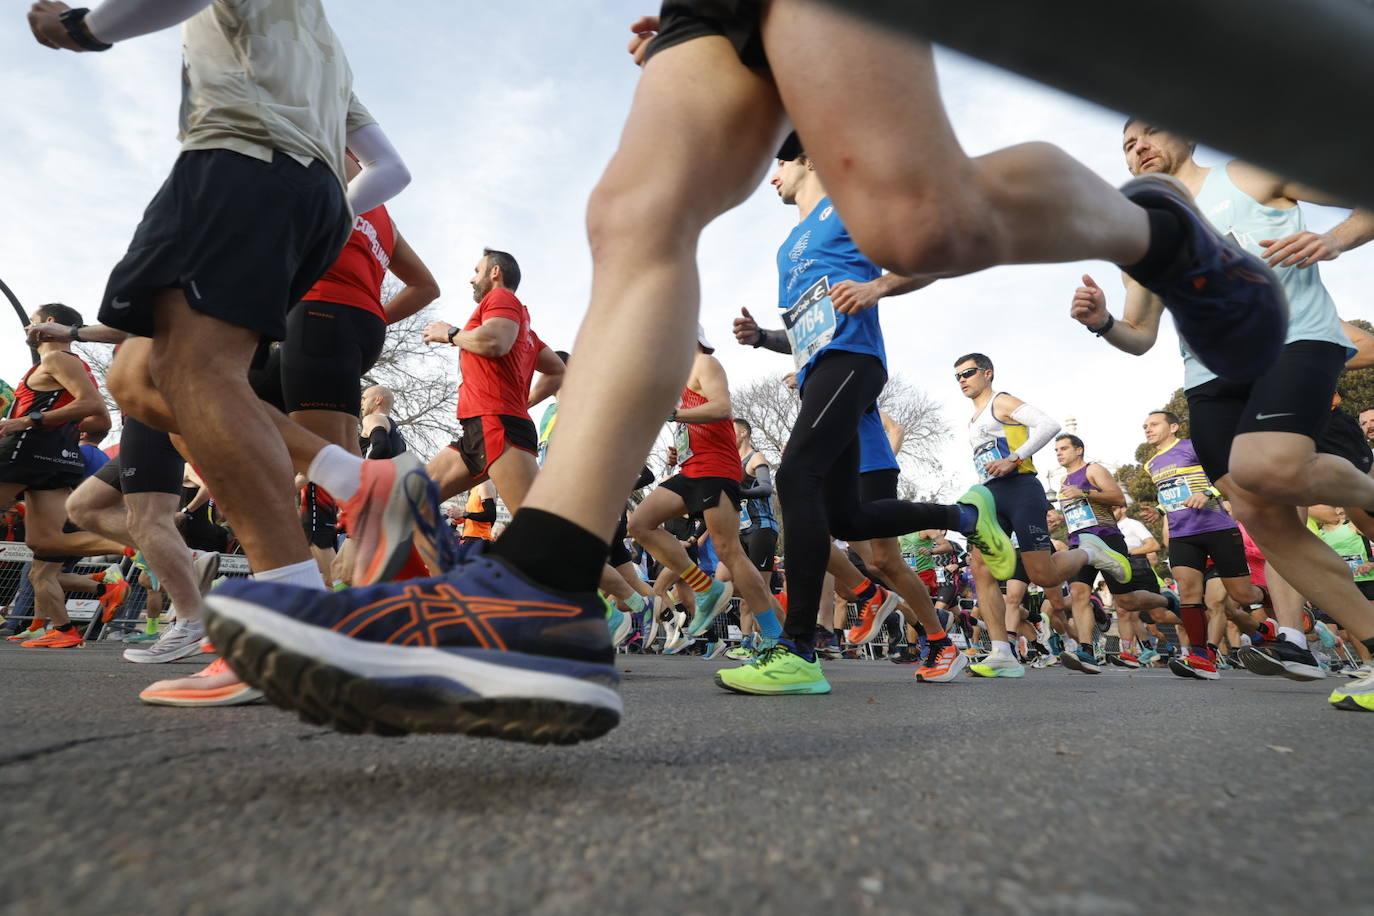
point(378, 399)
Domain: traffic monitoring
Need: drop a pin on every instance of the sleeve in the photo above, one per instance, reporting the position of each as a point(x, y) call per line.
point(646, 477)
point(764, 488)
point(379, 443)
point(119, 20)
point(384, 175)
point(501, 303)
point(488, 513)
point(1040, 430)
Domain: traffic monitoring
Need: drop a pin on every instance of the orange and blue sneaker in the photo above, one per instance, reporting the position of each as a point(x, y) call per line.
point(1227, 305)
point(480, 650)
point(383, 514)
point(69, 638)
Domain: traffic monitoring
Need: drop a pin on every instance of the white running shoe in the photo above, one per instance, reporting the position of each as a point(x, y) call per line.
point(675, 637)
point(181, 640)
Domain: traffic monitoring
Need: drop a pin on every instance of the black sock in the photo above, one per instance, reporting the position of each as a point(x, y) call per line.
point(868, 591)
point(1166, 241)
point(1369, 644)
point(66, 627)
point(100, 589)
point(553, 551)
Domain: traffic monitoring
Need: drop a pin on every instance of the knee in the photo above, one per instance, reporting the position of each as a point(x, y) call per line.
point(635, 528)
point(932, 232)
point(1281, 476)
point(631, 219)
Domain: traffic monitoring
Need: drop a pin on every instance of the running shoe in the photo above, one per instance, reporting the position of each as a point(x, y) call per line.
point(1357, 696)
point(652, 613)
point(904, 656)
point(998, 664)
point(987, 535)
point(743, 652)
point(206, 569)
point(1045, 661)
point(674, 638)
point(214, 685)
point(710, 603)
point(1081, 660)
point(179, 641)
point(779, 671)
point(872, 616)
point(620, 626)
point(69, 638)
point(480, 650)
point(148, 578)
point(1364, 669)
point(716, 649)
point(115, 593)
point(1056, 643)
point(1282, 657)
point(34, 632)
point(1227, 305)
point(384, 512)
point(1193, 665)
point(1125, 660)
point(1103, 558)
point(1148, 657)
point(1324, 635)
point(946, 663)
point(138, 639)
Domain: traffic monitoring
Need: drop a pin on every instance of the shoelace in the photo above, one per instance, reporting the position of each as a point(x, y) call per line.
point(426, 514)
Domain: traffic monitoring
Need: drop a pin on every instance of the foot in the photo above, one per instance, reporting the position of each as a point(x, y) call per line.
point(480, 650)
point(1227, 304)
point(1125, 660)
point(115, 593)
point(872, 616)
point(33, 632)
point(675, 638)
point(998, 664)
point(716, 649)
point(946, 663)
point(620, 626)
point(1148, 657)
point(179, 641)
point(987, 535)
point(69, 638)
point(710, 603)
point(1357, 696)
point(213, 685)
point(652, 612)
point(383, 515)
point(206, 569)
point(1193, 665)
point(779, 671)
point(1081, 660)
point(1283, 658)
point(1103, 558)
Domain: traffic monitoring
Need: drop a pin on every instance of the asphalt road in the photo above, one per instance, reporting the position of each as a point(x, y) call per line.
point(1058, 794)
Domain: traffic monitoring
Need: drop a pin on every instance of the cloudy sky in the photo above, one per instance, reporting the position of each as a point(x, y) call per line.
point(506, 116)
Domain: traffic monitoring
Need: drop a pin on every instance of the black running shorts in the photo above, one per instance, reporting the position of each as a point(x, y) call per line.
point(738, 21)
point(760, 545)
point(1226, 548)
point(1021, 510)
point(36, 478)
point(487, 437)
point(702, 493)
point(620, 554)
point(243, 239)
point(1294, 396)
point(1143, 576)
point(1343, 437)
point(327, 349)
point(147, 462)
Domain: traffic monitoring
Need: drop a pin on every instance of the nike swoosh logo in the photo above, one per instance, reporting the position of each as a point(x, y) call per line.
point(120, 303)
point(1270, 416)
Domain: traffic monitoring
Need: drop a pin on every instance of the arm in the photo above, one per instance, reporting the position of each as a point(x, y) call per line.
point(114, 20)
point(1149, 546)
point(1306, 248)
point(87, 402)
point(551, 372)
point(715, 389)
point(384, 175)
point(1137, 329)
point(420, 286)
point(201, 498)
point(378, 435)
point(850, 297)
point(896, 432)
point(492, 338)
point(764, 488)
point(488, 513)
point(1363, 342)
point(92, 333)
point(1040, 427)
point(1108, 491)
point(748, 333)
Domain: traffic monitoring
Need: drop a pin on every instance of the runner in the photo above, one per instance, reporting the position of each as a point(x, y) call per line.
point(706, 116)
point(1005, 433)
point(1088, 498)
point(479, 515)
point(1142, 547)
point(758, 528)
point(381, 436)
point(1261, 441)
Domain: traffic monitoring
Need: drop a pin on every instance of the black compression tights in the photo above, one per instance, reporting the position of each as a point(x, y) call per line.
point(818, 483)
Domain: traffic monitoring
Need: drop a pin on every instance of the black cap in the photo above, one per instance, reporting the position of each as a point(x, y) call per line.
point(791, 148)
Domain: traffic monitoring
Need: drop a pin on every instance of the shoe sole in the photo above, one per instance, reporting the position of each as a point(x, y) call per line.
point(374, 688)
point(995, 672)
point(955, 669)
point(880, 616)
point(1266, 665)
point(241, 696)
point(384, 543)
point(207, 570)
point(1184, 671)
point(797, 691)
point(623, 632)
point(174, 655)
point(695, 629)
point(1351, 704)
point(1121, 662)
point(1074, 663)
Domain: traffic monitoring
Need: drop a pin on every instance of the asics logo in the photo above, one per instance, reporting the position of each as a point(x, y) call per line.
point(441, 614)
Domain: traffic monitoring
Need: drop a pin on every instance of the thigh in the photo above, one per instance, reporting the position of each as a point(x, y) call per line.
point(1021, 508)
point(450, 472)
point(1215, 410)
point(661, 504)
point(513, 473)
point(149, 463)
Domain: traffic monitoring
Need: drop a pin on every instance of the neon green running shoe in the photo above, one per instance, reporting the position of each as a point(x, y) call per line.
point(998, 664)
point(776, 672)
point(1356, 695)
point(1104, 559)
point(992, 542)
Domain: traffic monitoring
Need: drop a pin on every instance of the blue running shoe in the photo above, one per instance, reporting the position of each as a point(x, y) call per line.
point(1227, 305)
point(710, 603)
point(480, 650)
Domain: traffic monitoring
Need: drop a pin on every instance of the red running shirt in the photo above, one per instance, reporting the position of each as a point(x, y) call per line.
point(499, 385)
point(356, 277)
point(706, 449)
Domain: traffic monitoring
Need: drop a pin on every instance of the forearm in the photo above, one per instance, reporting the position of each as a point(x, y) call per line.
point(897, 285)
point(1354, 230)
point(407, 302)
point(546, 387)
point(200, 499)
point(119, 20)
point(488, 513)
point(99, 333)
point(78, 410)
point(775, 340)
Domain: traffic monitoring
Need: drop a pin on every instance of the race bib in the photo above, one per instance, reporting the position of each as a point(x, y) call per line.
point(810, 322)
point(1353, 562)
point(744, 521)
point(682, 441)
point(1078, 514)
point(985, 455)
point(1173, 494)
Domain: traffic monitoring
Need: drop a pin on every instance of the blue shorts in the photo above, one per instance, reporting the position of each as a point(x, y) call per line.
point(1021, 509)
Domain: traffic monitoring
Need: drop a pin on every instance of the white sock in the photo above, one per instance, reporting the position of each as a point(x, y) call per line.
point(1294, 635)
point(1001, 647)
point(337, 471)
point(306, 573)
point(1070, 644)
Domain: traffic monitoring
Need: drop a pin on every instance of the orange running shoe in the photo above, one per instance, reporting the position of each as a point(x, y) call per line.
point(115, 593)
point(943, 665)
point(872, 616)
point(381, 515)
point(214, 685)
point(56, 639)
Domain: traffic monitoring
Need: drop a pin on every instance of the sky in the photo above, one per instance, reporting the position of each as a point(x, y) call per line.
point(506, 117)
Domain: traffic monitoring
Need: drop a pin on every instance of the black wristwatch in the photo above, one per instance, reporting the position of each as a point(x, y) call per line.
point(1106, 325)
point(452, 333)
point(74, 21)
point(37, 417)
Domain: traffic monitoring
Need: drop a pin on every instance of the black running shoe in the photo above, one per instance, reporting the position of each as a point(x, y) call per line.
point(1283, 658)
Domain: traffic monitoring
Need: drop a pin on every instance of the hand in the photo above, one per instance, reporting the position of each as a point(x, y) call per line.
point(1071, 493)
point(1197, 501)
point(437, 332)
point(1001, 467)
point(1089, 305)
point(48, 29)
point(790, 380)
point(923, 551)
point(850, 298)
point(1363, 569)
point(1301, 249)
point(672, 456)
point(747, 330)
point(1150, 514)
point(15, 425)
point(645, 28)
point(47, 331)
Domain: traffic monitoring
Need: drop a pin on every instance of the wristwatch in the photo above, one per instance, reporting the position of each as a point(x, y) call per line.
point(37, 418)
point(452, 333)
point(74, 21)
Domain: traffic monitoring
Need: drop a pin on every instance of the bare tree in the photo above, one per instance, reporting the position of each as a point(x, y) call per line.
point(422, 376)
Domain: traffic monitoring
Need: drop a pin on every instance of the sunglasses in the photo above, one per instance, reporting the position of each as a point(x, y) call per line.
point(967, 373)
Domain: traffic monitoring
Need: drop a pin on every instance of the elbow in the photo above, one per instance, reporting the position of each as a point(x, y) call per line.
point(400, 173)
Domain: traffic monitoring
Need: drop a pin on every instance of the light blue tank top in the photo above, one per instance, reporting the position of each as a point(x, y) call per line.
point(1312, 313)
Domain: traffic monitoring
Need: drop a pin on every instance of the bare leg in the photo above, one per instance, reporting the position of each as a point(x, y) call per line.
point(48, 599)
point(150, 523)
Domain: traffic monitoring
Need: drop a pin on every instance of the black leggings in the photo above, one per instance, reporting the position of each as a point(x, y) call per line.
point(818, 483)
